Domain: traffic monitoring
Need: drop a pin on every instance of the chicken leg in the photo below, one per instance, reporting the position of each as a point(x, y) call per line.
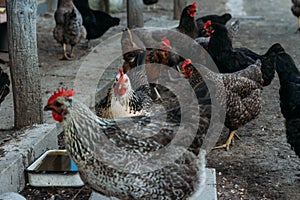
point(228, 141)
point(71, 55)
point(298, 30)
point(66, 56)
point(157, 93)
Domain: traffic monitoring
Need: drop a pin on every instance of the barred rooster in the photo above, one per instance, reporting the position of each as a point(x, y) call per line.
point(69, 29)
point(289, 77)
point(4, 85)
point(242, 93)
point(115, 159)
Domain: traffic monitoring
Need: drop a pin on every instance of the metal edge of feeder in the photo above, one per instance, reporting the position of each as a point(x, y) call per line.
point(45, 179)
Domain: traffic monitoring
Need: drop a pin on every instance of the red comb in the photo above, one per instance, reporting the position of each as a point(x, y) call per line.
point(121, 71)
point(194, 5)
point(207, 23)
point(187, 61)
point(189, 71)
point(63, 92)
point(165, 41)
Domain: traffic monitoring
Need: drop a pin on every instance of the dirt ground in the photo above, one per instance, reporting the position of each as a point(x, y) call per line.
point(259, 166)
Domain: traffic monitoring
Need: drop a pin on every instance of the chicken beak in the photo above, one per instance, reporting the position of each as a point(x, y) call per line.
point(47, 108)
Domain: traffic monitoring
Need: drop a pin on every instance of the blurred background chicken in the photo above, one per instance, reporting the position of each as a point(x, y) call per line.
point(4, 85)
point(296, 11)
point(95, 22)
point(242, 93)
point(69, 29)
point(98, 146)
point(187, 24)
point(229, 59)
point(156, 58)
point(289, 77)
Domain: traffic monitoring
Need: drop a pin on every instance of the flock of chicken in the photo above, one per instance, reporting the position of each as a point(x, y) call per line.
point(119, 150)
point(126, 150)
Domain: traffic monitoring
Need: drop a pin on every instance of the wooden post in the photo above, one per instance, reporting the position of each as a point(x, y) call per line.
point(178, 7)
point(135, 13)
point(23, 60)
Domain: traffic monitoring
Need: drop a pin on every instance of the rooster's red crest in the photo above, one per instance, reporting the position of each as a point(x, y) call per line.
point(165, 41)
point(63, 92)
point(194, 5)
point(207, 24)
point(186, 62)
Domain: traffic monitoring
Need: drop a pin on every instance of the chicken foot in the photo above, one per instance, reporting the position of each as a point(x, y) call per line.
point(66, 56)
point(157, 93)
point(71, 55)
point(228, 141)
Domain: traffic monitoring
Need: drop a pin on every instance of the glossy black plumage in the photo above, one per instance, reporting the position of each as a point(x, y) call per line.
point(289, 92)
point(187, 24)
point(229, 59)
point(95, 22)
point(4, 85)
point(220, 19)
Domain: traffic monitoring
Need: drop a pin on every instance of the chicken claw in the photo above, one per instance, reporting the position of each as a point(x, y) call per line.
point(157, 93)
point(65, 56)
point(228, 141)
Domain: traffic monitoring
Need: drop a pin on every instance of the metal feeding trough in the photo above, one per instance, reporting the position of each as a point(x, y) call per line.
point(54, 168)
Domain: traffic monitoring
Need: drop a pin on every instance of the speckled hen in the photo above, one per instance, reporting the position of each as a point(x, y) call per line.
point(69, 29)
point(242, 96)
point(115, 159)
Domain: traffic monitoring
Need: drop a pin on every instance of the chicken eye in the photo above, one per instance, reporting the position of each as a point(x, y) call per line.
point(57, 104)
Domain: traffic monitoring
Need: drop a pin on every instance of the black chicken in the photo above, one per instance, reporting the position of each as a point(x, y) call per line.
point(220, 19)
point(229, 59)
point(289, 92)
point(296, 11)
point(95, 22)
point(187, 24)
point(150, 2)
point(4, 85)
